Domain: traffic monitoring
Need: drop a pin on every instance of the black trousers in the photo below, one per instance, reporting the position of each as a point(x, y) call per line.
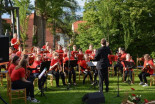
point(41, 81)
point(86, 74)
point(56, 75)
point(103, 76)
point(95, 71)
point(142, 76)
point(20, 85)
point(126, 74)
point(71, 72)
point(118, 66)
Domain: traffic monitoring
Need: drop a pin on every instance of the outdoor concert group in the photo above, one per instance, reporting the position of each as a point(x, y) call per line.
point(24, 66)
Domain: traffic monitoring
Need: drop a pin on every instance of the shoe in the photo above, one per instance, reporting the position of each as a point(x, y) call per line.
point(57, 86)
point(28, 98)
point(35, 100)
point(145, 85)
point(141, 83)
point(75, 84)
point(107, 89)
point(65, 84)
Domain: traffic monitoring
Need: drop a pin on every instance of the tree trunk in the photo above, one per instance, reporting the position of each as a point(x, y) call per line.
point(54, 34)
point(40, 28)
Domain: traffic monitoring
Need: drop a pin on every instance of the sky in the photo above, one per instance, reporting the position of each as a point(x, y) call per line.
point(79, 12)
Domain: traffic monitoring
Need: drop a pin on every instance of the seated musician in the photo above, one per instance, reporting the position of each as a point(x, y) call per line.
point(19, 81)
point(74, 53)
point(19, 52)
point(85, 69)
point(70, 70)
point(90, 50)
point(125, 69)
point(14, 42)
point(121, 57)
point(45, 46)
point(93, 54)
point(60, 52)
point(147, 70)
point(13, 64)
point(56, 69)
point(36, 65)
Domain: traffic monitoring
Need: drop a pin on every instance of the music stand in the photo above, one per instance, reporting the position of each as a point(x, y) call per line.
point(70, 64)
point(129, 66)
point(44, 67)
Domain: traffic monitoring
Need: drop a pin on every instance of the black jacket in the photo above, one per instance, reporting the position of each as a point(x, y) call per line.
point(102, 57)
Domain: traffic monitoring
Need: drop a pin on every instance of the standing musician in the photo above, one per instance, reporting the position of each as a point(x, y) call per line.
point(126, 70)
point(74, 53)
point(15, 42)
point(85, 69)
point(90, 50)
point(65, 52)
point(102, 65)
point(121, 57)
point(71, 69)
point(13, 64)
point(147, 70)
point(19, 81)
point(80, 55)
point(60, 52)
point(56, 69)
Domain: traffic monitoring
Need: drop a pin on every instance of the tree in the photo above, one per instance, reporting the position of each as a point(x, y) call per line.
point(24, 11)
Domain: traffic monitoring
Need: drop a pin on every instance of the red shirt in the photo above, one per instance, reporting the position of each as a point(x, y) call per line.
point(74, 53)
point(151, 63)
point(123, 57)
point(13, 41)
point(11, 68)
point(83, 63)
point(18, 53)
point(66, 59)
point(88, 52)
point(111, 58)
point(35, 64)
point(44, 47)
point(124, 65)
point(54, 61)
point(17, 74)
point(92, 56)
point(49, 56)
point(64, 55)
point(80, 57)
point(60, 54)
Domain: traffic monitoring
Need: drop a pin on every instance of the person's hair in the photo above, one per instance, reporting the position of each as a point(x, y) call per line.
point(74, 45)
point(25, 56)
point(15, 58)
point(147, 56)
point(103, 41)
point(80, 49)
point(22, 63)
point(123, 49)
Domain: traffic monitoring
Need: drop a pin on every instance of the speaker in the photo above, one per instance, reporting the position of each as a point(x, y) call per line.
point(4, 49)
point(94, 98)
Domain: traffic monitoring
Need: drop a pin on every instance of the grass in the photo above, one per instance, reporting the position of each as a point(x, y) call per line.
point(75, 93)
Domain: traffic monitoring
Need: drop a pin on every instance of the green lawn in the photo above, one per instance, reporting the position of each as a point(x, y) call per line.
point(75, 93)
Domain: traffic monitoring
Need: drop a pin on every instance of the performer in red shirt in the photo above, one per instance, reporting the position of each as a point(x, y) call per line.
point(65, 52)
point(85, 68)
point(45, 46)
point(70, 70)
point(14, 63)
point(93, 54)
point(14, 42)
point(121, 57)
point(90, 50)
point(74, 53)
point(80, 55)
point(19, 81)
point(147, 70)
point(49, 55)
point(60, 52)
point(19, 52)
point(56, 69)
point(125, 69)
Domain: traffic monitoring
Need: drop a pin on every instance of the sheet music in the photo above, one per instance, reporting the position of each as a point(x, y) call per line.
point(42, 73)
point(92, 63)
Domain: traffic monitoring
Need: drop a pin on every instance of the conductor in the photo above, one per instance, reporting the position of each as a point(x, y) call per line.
point(102, 65)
